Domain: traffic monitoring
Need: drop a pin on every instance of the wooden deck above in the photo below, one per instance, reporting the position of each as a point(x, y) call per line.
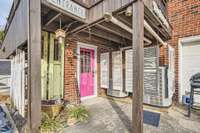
point(93, 24)
point(118, 8)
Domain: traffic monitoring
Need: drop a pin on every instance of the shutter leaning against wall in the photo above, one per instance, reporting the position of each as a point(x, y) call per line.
point(116, 84)
point(151, 89)
point(117, 70)
point(104, 70)
point(18, 86)
point(171, 70)
point(129, 70)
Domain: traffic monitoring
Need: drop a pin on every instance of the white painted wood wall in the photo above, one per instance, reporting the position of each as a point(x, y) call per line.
point(18, 82)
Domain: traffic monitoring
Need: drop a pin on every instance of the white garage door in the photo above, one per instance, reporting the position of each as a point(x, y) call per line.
point(190, 64)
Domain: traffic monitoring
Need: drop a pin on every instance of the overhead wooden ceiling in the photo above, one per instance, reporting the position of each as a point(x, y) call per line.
point(87, 3)
point(51, 20)
point(155, 23)
point(100, 32)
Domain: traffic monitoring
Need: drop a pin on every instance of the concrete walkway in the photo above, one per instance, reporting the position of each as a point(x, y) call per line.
point(108, 116)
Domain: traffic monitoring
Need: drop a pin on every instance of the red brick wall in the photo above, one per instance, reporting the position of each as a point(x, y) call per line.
point(163, 59)
point(184, 16)
point(71, 91)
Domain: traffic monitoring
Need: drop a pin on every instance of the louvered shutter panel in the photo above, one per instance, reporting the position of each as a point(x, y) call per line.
point(151, 90)
point(104, 70)
point(117, 70)
point(129, 70)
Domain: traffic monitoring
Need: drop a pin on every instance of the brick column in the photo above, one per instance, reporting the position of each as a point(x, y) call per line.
point(71, 90)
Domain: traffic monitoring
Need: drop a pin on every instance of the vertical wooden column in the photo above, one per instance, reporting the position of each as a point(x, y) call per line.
point(34, 65)
point(62, 66)
point(138, 55)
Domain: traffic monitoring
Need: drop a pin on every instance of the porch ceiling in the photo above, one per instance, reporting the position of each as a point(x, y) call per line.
point(109, 34)
point(112, 35)
point(51, 20)
point(155, 23)
point(101, 32)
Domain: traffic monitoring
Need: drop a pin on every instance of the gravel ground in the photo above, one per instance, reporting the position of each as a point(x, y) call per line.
point(108, 116)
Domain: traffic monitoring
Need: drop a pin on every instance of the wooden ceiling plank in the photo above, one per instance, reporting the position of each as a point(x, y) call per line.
point(96, 43)
point(101, 40)
point(125, 20)
point(105, 35)
point(49, 5)
point(52, 19)
point(114, 30)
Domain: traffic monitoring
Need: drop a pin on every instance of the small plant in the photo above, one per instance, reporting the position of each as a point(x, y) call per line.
point(78, 112)
point(50, 125)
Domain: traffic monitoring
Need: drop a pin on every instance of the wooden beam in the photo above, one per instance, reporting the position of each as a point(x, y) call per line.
point(46, 3)
point(120, 24)
point(115, 30)
point(96, 43)
point(138, 67)
point(157, 24)
point(68, 25)
point(85, 26)
point(127, 28)
point(49, 21)
point(103, 34)
point(97, 39)
point(148, 27)
point(125, 20)
point(34, 65)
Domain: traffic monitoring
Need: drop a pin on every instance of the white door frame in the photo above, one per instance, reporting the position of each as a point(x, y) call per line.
point(181, 42)
point(88, 46)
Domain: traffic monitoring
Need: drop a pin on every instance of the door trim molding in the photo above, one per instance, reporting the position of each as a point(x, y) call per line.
point(181, 42)
point(93, 47)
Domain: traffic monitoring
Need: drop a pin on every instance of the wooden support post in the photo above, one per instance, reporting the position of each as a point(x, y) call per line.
point(34, 65)
point(138, 55)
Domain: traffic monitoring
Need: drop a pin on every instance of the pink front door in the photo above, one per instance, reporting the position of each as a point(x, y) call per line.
point(87, 72)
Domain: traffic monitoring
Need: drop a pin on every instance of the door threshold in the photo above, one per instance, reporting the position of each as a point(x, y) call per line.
point(88, 97)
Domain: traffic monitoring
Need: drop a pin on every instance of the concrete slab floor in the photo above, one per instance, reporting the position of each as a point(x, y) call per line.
point(108, 116)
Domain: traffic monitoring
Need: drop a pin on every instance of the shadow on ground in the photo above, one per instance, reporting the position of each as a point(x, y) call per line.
point(122, 115)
